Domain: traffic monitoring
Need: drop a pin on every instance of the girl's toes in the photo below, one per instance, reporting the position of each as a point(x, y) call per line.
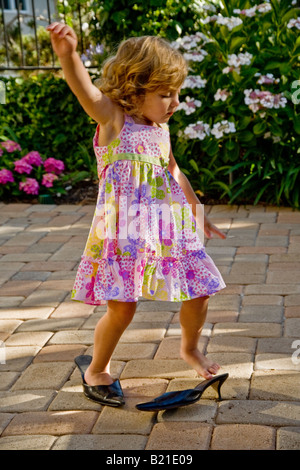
point(213, 369)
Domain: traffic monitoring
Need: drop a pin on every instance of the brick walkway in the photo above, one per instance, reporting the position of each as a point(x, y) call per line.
point(251, 330)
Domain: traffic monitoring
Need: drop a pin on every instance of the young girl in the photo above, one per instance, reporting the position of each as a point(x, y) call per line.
point(131, 250)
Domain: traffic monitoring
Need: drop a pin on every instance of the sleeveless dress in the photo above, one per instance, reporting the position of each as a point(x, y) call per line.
point(143, 240)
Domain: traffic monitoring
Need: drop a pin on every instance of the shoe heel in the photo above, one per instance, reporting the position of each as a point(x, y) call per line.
point(218, 384)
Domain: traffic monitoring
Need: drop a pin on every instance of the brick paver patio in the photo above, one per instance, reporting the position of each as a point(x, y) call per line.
point(252, 330)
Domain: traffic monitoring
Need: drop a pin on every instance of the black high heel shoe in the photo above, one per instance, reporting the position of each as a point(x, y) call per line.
point(111, 395)
point(176, 399)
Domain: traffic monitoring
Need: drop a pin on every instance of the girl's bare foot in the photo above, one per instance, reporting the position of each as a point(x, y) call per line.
point(100, 378)
point(204, 366)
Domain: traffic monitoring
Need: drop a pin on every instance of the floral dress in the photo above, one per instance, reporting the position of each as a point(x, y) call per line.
point(143, 240)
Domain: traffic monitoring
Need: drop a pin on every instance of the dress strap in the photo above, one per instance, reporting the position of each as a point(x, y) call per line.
point(128, 118)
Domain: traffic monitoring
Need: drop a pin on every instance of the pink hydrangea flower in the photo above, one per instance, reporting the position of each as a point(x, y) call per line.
point(22, 166)
point(48, 179)
point(1, 151)
point(30, 186)
point(54, 166)
point(33, 158)
point(6, 176)
point(10, 146)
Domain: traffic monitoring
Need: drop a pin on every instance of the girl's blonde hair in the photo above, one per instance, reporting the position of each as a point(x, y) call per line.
point(141, 64)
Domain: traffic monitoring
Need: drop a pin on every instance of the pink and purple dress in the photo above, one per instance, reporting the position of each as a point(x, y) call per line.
point(143, 240)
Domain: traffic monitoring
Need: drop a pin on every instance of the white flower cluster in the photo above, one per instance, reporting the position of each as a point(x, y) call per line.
point(236, 60)
point(190, 42)
point(240, 59)
point(231, 22)
point(192, 46)
point(247, 12)
point(194, 81)
point(266, 79)
point(195, 56)
point(200, 130)
point(262, 8)
point(294, 23)
point(257, 100)
point(223, 127)
point(189, 106)
point(222, 95)
point(204, 5)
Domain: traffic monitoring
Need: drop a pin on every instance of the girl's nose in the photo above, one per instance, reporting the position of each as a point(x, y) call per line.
point(175, 101)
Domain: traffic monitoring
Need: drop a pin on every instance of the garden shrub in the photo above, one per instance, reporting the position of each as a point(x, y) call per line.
point(28, 174)
point(41, 114)
point(237, 131)
point(237, 134)
point(108, 22)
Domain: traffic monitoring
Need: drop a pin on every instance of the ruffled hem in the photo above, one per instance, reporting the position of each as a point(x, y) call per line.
point(126, 279)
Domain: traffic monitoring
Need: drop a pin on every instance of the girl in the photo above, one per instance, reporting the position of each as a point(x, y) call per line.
point(132, 251)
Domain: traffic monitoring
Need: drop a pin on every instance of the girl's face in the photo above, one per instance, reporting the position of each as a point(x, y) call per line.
point(159, 106)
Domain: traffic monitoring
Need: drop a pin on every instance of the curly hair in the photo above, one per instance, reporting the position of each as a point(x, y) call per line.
point(141, 64)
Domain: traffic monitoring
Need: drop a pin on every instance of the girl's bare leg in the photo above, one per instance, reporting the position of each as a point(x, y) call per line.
point(108, 331)
point(192, 317)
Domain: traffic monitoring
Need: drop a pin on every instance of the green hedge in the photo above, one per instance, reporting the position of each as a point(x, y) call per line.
point(238, 132)
point(43, 115)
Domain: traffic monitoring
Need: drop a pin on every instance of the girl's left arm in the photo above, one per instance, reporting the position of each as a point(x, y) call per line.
point(197, 208)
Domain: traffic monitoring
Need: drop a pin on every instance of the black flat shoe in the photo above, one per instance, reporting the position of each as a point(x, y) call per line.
point(110, 395)
point(176, 399)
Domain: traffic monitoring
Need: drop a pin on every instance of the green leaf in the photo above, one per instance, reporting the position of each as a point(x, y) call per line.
point(221, 185)
point(236, 43)
point(81, 175)
point(259, 128)
point(207, 172)
point(285, 68)
point(244, 122)
point(230, 145)
point(212, 148)
point(194, 165)
point(260, 193)
point(236, 76)
point(297, 124)
point(246, 136)
point(272, 64)
point(290, 14)
point(276, 130)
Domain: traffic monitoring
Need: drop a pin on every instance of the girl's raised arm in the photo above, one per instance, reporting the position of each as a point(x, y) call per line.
point(95, 103)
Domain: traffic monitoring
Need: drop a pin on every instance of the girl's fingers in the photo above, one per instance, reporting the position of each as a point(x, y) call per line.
point(61, 29)
point(55, 27)
point(52, 26)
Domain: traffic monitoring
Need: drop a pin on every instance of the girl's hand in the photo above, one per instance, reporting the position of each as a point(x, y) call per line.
point(63, 39)
point(210, 229)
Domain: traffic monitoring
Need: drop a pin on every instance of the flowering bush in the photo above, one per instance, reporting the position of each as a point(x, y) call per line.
point(29, 174)
point(237, 128)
